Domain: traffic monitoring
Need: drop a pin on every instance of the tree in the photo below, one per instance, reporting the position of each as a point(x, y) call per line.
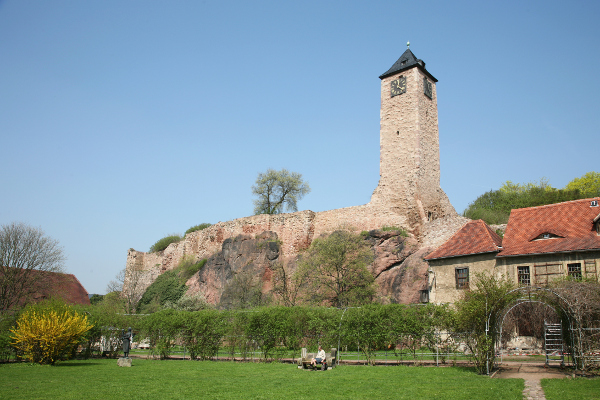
point(278, 190)
point(588, 185)
point(473, 309)
point(243, 291)
point(336, 267)
point(25, 254)
point(129, 284)
point(287, 285)
point(494, 206)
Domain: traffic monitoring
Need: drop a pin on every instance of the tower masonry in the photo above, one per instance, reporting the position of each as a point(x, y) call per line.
point(409, 181)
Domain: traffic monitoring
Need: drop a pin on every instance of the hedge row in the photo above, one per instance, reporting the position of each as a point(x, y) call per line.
point(277, 331)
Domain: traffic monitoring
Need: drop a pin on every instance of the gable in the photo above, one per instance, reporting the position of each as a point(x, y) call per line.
point(475, 237)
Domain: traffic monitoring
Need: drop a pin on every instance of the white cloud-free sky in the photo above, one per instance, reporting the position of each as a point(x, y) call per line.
point(124, 121)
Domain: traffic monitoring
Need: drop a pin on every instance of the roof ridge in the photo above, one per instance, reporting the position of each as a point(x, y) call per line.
point(492, 235)
point(556, 204)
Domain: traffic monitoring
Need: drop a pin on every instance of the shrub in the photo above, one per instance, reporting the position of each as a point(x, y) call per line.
point(163, 243)
point(166, 288)
point(197, 228)
point(48, 332)
point(401, 231)
point(188, 266)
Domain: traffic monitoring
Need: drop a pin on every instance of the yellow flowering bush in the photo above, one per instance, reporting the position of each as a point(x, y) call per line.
point(46, 334)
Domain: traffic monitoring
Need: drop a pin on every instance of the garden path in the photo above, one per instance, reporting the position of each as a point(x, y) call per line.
point(532, 373)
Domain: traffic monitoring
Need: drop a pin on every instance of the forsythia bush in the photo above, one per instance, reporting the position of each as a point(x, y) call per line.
point(45, 335)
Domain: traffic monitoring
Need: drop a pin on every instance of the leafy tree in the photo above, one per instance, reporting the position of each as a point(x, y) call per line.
point(336, 270)
point(26, 253)
point(490, 295)
point(278, 190)
point(96, 299)
point(588, 185)
point(163, 243)
point(48, 332)
point(494, 206)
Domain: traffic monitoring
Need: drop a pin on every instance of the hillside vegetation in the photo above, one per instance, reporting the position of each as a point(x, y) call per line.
point(494, 206)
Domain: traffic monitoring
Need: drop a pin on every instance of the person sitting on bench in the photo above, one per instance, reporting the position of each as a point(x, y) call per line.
point(320, 358)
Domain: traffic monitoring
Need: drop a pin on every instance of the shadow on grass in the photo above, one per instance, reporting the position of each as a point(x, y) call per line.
point(75, 364)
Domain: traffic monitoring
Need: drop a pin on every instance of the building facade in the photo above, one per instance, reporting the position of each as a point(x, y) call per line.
point(540, 244)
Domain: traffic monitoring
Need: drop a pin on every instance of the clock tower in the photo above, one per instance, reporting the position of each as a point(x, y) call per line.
point(409, 181)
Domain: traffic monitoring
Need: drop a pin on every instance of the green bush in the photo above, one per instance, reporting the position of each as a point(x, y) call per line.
point(163, 243)
point(197, 228)
point(401, 231)
point(166, 288)
point(188, 266)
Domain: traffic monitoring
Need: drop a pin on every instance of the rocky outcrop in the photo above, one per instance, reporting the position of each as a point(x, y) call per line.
point(398, 267)
point(244, 254)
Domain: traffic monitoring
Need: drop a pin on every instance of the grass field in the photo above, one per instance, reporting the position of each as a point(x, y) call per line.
point(571, 389)
point(175, 379)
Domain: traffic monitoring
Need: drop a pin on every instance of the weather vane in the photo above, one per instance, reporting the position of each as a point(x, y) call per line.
point(408, 45)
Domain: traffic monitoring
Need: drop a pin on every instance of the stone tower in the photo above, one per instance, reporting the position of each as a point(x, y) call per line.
point(409, 144)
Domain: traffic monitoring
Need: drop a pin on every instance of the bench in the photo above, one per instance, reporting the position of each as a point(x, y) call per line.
point(306, 357)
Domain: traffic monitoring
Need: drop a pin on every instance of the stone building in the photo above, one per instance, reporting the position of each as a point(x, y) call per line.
point(408, 195)
point(540, 244)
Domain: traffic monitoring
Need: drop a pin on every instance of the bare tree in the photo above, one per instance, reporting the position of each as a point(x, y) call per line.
point(128, 282)
point(26, 253)
point(287, 284)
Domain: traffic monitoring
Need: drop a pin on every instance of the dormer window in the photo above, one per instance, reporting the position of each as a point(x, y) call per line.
point(594, 203)
point(547, 235)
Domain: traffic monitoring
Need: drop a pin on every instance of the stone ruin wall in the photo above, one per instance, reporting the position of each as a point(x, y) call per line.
point(295, 230)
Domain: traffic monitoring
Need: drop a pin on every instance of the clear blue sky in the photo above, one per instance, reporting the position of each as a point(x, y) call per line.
point(124, 121)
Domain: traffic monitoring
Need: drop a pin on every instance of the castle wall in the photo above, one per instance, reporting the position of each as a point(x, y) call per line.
point(408, 195)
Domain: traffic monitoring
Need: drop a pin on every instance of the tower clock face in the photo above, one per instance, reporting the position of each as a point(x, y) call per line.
point(427, 88)
point(399, 86)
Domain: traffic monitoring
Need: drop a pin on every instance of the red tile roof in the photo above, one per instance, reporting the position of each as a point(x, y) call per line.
point(474, 237)
point(56, 285)
point(571, 221)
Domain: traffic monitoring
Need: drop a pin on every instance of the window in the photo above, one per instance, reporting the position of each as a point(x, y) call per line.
point(523, 276)
point(462, 278)
point(574, 270)
point(424, 296)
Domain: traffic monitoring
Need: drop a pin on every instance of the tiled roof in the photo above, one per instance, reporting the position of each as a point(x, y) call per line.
point(474, 237)
point(570, 225)
point(64, 286)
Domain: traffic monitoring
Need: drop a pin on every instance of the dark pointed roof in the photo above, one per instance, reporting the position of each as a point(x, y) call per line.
point(407, 61)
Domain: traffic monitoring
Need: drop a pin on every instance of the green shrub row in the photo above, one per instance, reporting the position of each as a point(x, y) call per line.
point(279, 331)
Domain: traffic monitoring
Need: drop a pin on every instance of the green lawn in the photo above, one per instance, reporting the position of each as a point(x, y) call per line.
point(176, 379)
point(571, 389)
